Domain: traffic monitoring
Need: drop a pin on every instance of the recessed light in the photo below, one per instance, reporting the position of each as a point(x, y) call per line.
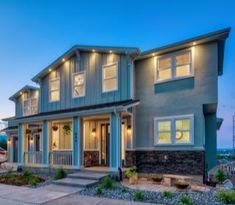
point(194, 43)
point(153, 54)
point(93, 50)
point(50, 70)
point(110, 51)
point(63, 59)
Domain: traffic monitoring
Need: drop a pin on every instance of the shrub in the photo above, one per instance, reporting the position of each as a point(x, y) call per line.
point(124, 190)
point(157, 178)
point(107, 183)
point(130, 172)
point(33, 181)
point(27, 174)
point(99, 191)
point(181, 184)
point(60, 174)
point(184, 199)
point(220, 176)
point(167, 193)
point(227, 197)
point(139, 196)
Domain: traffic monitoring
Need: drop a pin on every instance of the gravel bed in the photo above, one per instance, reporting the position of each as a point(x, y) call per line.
point(119, 192)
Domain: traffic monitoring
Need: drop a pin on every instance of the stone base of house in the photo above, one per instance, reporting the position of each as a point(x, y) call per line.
point(167, 162)
point(91, 158)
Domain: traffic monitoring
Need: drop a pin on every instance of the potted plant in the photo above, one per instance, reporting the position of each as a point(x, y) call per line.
point(181, 184)
point(28, 131)
point(157, 178)
point(132, 175)
point(54, 127)
point(67, 129)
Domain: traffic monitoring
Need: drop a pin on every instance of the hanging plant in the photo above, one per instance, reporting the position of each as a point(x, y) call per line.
point(54, 127)
point(28, 131)
point(67, 129)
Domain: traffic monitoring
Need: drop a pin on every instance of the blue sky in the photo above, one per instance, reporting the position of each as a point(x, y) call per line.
point(34, 33)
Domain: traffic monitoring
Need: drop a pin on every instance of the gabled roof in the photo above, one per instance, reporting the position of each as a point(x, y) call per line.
point(75, 49)
point(219, 36)
point(18, 93)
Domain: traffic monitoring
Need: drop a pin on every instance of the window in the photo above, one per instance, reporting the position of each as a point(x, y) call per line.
point(30, 105)
point(110, 77)
point(173, 66)
point(79, 84)
point(54, 86)
point(174, 130)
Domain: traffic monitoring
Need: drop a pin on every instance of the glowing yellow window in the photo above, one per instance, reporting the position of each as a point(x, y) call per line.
point(164, 132)
point(183, 64)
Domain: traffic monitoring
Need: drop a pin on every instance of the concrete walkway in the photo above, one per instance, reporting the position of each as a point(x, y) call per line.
point(50, 195)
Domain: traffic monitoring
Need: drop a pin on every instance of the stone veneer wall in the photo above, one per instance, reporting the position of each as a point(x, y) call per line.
point(130, 158)
point(171, 162)
point(92, 157)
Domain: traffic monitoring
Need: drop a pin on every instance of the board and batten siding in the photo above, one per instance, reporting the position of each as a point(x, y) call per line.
point(92, 64)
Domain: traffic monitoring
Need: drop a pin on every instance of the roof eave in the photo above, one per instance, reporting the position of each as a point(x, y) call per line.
point(27, 87)
point(72, 51)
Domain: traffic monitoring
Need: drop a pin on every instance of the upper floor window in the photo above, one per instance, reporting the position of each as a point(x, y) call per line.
point(110, 77)
point(79, 84)
point(173, 66)
point(174, 130)
point(30, 105)
point(54, 89)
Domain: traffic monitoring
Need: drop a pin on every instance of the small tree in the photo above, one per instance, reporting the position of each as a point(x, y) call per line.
point(220, 176)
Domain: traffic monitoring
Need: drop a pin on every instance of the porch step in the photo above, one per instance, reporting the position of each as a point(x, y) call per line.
point(76, 182)
point(88, 175)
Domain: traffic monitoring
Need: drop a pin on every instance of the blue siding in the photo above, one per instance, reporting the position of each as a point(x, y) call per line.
point(92, 64)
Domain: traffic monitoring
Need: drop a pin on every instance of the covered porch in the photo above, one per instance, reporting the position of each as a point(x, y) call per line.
point(89, 140)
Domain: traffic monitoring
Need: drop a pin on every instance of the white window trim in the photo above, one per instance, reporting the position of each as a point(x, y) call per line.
point(103, 67)
point(173, 68)
point(173, 119)
point(77, 73)
point(30, 106)
point(51, 80)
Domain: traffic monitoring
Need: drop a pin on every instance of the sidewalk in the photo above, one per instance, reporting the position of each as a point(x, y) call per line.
point(52, 194)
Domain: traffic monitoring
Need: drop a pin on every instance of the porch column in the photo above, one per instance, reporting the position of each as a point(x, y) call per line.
point(115, 141)
point(20, 145)
point(45, 143)
point(76, 142)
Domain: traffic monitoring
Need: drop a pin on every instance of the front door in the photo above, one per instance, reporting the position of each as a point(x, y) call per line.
point(15, 149)
point(105, 135)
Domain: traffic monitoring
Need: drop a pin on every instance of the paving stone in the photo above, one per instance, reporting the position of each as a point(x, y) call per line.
point(75, 182)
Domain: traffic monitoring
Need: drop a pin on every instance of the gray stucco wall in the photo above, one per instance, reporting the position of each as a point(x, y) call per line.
point(92, 64)
point(171, 98)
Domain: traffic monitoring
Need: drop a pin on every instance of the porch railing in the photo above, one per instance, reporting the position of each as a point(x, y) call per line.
point(33, 157)
point(60, 158)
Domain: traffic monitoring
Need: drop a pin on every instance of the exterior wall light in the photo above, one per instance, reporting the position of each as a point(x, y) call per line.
point(9, 141)
point(129, 129)
point(31, 139)
point(93, 132)
point(110, 51)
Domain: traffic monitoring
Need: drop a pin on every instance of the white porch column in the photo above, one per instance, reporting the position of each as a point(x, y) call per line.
point(76, 142)
point(20, 145)
point(45, 139)
point(115, 141)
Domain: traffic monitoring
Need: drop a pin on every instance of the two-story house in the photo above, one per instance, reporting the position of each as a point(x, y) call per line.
point(112, 107)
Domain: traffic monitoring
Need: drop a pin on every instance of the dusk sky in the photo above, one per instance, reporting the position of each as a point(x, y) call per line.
point(34, 33)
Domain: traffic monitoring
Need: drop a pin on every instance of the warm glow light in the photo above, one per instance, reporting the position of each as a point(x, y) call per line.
point(50, 70)
point(9, 141)
point(93, 132)
point(31, 140)
point(63, 59)
point(110, 51)
point(194, 43)
point(93, 50)
point(153, 54)
point(129, 129)
point(20, 93)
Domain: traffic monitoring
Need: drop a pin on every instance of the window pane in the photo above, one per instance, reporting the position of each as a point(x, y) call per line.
point(164, 74)
point(54, 85)
point(78, 79)
point(54, 95)
point(78, 91)
point(110, 72)
point(183, 70)
point(183, 124)
point(164, 63)
point(182, 137)
point(164, 137)
point(164, 126)
point(183, 59)
point(110, 84)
